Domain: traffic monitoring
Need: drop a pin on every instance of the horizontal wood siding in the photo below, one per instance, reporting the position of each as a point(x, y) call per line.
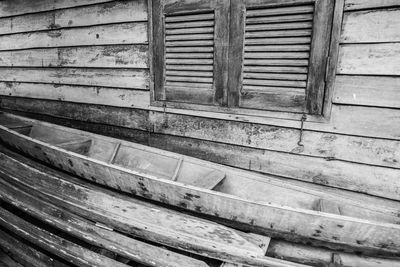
point(76, 51)
point(93, 74)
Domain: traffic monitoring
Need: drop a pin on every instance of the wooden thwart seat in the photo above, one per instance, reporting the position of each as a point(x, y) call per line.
point(211, 180)
point(15, 124)
point(327, 206)
point(81, 146)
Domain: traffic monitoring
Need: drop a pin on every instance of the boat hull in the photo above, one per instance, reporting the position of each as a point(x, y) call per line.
point(292, 224)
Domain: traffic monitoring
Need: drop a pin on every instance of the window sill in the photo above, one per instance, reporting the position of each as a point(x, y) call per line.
point(276, 118)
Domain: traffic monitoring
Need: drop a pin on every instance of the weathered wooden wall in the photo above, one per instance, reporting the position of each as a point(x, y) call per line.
point(85, 64)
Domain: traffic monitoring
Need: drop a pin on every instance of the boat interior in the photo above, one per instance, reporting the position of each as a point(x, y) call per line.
point(190, 171)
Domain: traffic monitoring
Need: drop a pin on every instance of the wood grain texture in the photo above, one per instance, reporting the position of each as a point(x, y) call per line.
point(83, 199)
point(321, 257)
point(79, 94)
point(362, 121)
point(178, 144)
point(25, 254)
point(369, 59)
point(123, 78)
point(137, 119)
point(12, 7)
point(369, 4)
point(52, 243)
point(325, 145)
point(81, 228)
point(371, 26)
point(374, 91)
point(115, 12)
point(322, 26)
point(352, 176)
point(94, 35)
point(286, 165)
point(142, 219)
point(113, 56)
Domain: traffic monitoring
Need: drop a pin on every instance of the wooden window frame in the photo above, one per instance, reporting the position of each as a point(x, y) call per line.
point(325, 98)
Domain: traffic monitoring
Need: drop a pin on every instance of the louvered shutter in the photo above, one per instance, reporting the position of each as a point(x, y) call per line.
point(190, 59)
point(284, 48)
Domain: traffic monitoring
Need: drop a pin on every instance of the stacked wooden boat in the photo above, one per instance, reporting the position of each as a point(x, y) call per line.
point(258, 207)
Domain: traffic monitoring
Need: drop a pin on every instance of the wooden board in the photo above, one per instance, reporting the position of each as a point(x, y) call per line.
point(381, 25)
point(95, 35)
point(7, 261)
point(369, 59)
point(377, 91)
point(102, 95)
point(83, 229)
point(369, 4)
point(121, 78)
point(140, 218)
point(12, 7)
point(269, 217)
point(323, 257)
point(50, 242)
point(103, 13)
point(115, 56)
point(25, 254)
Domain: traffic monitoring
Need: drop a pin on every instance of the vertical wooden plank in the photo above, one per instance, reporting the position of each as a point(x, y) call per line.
point(151, 47)
point(236, 47)
point(221, 43)
point(334, 58)
point(319, 55)
point(158, 49)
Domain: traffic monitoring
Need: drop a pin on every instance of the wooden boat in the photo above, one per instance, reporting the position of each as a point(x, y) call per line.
point(265, 203)
point(22, 184)
point(31, 202)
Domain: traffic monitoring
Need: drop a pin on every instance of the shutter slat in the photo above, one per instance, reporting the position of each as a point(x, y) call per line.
point(276, 48)
point(276, 57)
point(190, 73)
point(190, 55)
point(280, 11)
point(189, 79)
point(190, 30)
point(275, 76)
point(279, 26)
point(284, 83)
point(193, 24)
point(192, 17)
point(275, 62)
point(190, 43)
point(190, 67)
point(279, 69)
point(184, 37)
point(200, 49)
point(279, 19)
point(283, 40)
point(274, 89)
point(282, 55)
point(173, 61)
point(286, 33)
point(189, 85)
point(189, 58)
